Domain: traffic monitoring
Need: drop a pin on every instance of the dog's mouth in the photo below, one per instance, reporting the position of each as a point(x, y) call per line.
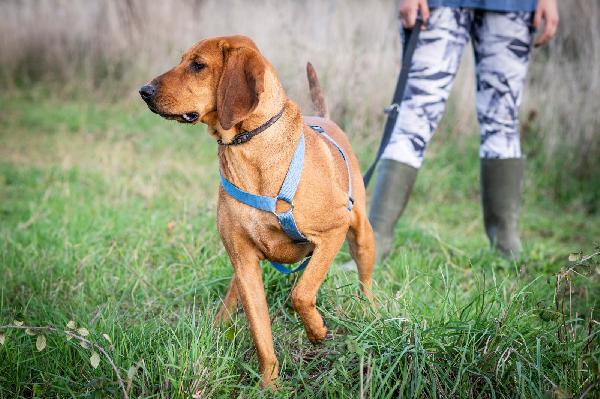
point(190, 117)
point(187, 117)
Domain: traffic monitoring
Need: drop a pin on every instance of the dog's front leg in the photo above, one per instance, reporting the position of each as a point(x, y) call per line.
point(304, 295)
point(230, 304)
point(251, 291)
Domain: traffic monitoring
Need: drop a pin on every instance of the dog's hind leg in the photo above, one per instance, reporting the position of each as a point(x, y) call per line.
point(361, 243)
point(230, 304)
point(304, 294)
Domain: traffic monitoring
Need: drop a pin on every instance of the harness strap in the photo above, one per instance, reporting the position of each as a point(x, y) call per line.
point(266, 204)
point(288, 191)
point(343, 154)
point(287, 194)
point(282, 269)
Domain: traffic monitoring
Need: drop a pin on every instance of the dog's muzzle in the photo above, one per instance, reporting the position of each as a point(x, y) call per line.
point(148, 94)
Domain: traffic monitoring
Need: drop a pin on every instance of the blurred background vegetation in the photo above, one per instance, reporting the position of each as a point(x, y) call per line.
point(107, 48)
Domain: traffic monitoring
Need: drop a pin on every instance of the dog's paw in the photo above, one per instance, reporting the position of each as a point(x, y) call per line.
point(271, 385)
point(319, 336)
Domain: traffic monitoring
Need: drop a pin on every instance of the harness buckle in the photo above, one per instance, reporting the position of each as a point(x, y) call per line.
point(290, 203)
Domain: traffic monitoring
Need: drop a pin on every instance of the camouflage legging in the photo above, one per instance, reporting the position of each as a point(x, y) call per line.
point(501, 42)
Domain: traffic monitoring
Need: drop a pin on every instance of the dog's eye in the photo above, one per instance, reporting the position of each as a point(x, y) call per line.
point(197, 66)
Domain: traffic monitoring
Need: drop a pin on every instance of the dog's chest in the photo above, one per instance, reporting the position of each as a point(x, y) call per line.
point(270, 239)
point(262, 229)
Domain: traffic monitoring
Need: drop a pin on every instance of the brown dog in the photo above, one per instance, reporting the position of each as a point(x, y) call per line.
point(227, 84)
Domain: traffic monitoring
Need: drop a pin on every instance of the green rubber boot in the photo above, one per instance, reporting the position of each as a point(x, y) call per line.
point(501, 184)
point(394, 184)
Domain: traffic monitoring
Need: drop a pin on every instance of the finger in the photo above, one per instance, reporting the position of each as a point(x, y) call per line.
point(541, 39)
point(424, 13)
point(537, 19)
point(409, 18)
point(544, 36)
point(405, 22)
point(408, 13)
point(552, 28)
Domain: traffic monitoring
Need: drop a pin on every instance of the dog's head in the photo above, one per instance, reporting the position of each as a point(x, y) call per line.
point(219, 81)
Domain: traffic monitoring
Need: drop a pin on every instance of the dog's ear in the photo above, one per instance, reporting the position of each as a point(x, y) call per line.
point(240, 86)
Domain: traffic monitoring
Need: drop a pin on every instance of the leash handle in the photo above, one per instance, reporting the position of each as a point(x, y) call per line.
point(410, 44)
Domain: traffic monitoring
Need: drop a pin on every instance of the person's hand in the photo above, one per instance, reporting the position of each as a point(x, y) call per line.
point(548, 12)
point(408, 12)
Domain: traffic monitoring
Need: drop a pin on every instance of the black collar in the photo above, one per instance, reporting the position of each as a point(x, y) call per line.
point(243, 137)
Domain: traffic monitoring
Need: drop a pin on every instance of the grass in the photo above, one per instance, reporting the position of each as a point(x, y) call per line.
point(108, 219)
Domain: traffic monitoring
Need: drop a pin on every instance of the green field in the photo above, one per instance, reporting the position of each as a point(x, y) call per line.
point(107, 218)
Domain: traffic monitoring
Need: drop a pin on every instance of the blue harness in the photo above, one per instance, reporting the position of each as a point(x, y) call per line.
point(287, 193)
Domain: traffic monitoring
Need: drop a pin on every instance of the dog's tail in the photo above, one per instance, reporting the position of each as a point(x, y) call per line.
point(316, 94)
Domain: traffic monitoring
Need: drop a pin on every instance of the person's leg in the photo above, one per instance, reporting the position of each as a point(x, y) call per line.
point(502, 43)
point(435, 63)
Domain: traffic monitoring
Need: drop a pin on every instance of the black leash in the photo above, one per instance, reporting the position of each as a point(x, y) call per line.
point(410, 43)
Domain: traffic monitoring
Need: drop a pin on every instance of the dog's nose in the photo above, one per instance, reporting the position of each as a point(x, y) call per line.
point(147, 92)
